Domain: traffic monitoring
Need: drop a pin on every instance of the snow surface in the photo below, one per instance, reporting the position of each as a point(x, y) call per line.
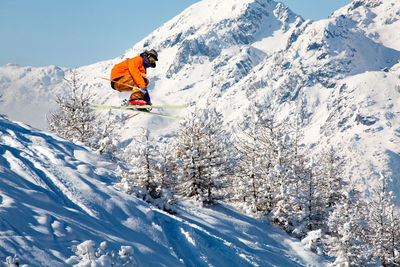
point(340, 76)
point(55, 194)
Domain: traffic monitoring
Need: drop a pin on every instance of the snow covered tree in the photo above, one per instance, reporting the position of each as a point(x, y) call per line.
point(321, 187)
point(263, 170)
point(384, 224)
point(201, 150)
point(292, 176)
point(104, 140)
point(166, 166)
point(364, 232)
point(141, 164)
point(251, 168)
point(149, 172)
point(348, 229)
point(164, 169)
point(73, 119)
point(330, 169)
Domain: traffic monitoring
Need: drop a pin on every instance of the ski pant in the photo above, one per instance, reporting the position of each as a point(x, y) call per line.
point(121, 84)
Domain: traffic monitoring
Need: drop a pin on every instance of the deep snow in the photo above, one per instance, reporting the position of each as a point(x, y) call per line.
point(55, 194)
point(340, 76)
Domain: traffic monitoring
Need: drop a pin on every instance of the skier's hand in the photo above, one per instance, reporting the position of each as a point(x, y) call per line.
point(144, 90)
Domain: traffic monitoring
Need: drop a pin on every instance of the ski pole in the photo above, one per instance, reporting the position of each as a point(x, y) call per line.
point(130, 117)
point(133, 87)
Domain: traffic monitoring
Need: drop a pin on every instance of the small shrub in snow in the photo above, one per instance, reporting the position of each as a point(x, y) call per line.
point(12, 262)
point(313, 241)
point(87, 256)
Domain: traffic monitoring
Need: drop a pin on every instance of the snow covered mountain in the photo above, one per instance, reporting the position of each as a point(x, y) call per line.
point(339, 76)
point(55, 194)
point(28, 93)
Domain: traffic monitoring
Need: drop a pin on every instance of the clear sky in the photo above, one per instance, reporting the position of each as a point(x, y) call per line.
point(73, 33)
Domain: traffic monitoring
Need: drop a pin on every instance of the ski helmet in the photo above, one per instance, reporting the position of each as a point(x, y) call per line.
point(152, 55)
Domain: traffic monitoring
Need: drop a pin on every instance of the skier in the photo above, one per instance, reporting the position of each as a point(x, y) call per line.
point(130, 75)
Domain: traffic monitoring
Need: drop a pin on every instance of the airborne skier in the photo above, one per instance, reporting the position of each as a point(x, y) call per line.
point(130, 75)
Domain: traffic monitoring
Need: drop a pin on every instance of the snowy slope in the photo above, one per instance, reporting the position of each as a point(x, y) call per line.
point(55, 194)
point(340, 75)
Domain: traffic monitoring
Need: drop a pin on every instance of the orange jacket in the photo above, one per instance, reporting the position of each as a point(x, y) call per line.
point(132, 66)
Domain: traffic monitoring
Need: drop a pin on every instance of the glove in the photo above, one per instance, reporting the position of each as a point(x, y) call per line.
point(144, 90)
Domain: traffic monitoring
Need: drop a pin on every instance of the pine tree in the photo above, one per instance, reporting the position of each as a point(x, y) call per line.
point(264, 174)
point(104, 140)
point(384, 224)
point(148, 172)
point(252, 167)
point(322, 184)
point(290, 169)
point(142, 164)
point(73, 119)
point(201, 148)
point(165, 166)
point(348, 230)
point(165, 177)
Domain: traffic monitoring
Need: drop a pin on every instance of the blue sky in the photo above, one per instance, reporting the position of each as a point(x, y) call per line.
point(73, 33)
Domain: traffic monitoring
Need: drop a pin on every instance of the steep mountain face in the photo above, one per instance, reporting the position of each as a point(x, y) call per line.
point(343, 81)
point(338, 76)
point(55, 194)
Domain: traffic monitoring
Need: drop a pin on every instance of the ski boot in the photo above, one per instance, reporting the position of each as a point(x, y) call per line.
point(140, 102)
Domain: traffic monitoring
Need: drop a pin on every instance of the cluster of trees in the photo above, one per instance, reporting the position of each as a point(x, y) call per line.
point(195, 164)
point(263, 169)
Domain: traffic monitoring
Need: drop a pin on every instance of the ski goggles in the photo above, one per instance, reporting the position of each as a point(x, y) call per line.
point(152, 59)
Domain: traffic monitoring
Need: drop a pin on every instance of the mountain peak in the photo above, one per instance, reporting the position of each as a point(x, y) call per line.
point(206, 30)
point(365, 3)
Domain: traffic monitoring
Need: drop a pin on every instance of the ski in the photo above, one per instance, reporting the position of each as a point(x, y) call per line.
point(134, 107)
point(130, 117)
